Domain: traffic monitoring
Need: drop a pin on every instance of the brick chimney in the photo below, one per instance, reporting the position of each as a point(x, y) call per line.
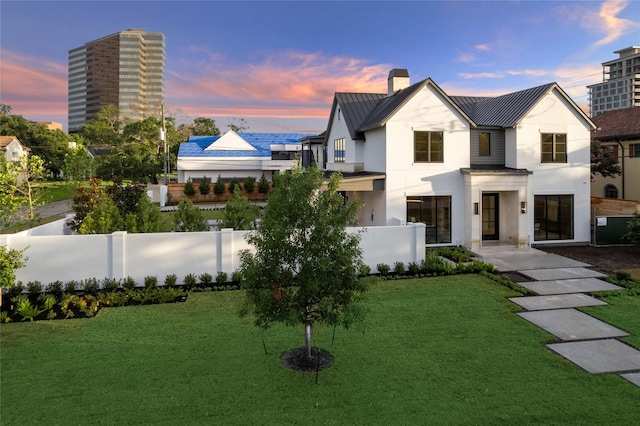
point(398, 80)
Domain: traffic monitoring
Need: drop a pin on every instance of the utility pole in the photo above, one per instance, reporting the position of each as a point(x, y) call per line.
point(163, 138)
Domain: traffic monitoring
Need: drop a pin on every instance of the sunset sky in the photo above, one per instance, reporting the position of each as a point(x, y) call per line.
point(278, 64)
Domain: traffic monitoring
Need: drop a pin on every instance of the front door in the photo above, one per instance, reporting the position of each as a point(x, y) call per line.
point(490, 215)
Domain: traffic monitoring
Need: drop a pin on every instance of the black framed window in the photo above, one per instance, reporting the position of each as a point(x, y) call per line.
point(428, 147)
point(484, 144)
point(435, 213)
point(339, 150)
point(553, 217)
point(554, 148)
point(610, 191)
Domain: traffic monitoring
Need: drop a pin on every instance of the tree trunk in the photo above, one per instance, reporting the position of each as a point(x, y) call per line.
point(307, 340)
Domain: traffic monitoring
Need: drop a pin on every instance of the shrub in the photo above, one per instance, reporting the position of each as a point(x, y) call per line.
point(189, 189)
point(48, 302)
point(205, 278)
point(364, 269)
point(170, 280)
point(189, 218)
point(263, 185)
point(70, 287)
point(398, 268)
point(189, 281)
point(150, 282)
point(34, 287)
point(205, 185)
point(218, 188)
point(623, 276)
point(239, 213)
point(413, 268)
point(129, 283)
point(55, 288)
point(383, 268)
point(110, 284)
point(26, 310)
point(221, 277)
point(233, 185)
point(90, 286)
point(236, 276)
point(15, 290)
point(249, 184)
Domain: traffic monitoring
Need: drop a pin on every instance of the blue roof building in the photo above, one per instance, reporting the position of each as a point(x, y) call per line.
point(238, 155)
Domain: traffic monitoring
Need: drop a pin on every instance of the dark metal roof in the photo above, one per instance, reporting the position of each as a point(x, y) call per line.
point(617, 124)
point(507, 110)
point(355, 109)
point(468, 103)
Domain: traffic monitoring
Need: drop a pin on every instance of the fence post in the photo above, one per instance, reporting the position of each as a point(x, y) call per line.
point(118, 259)
point(225, 251)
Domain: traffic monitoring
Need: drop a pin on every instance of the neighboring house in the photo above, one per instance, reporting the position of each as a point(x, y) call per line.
point(513, 168)
point(619, 133)
point(12, 148)
point(238, 155)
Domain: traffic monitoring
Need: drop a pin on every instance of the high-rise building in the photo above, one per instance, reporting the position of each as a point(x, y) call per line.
point(620, 87)
point(125, 69)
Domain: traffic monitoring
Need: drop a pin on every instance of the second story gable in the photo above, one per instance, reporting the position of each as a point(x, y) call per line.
point(12, 149)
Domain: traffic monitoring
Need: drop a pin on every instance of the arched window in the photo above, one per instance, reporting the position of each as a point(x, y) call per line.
point(610, 191)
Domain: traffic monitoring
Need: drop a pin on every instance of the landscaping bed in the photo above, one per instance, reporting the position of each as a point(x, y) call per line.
point(607, 260)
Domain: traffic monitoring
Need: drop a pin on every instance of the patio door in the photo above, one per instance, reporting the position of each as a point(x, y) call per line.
point(490, 216)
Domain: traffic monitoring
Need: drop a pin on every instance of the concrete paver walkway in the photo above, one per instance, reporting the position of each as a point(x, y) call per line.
point(560, 284)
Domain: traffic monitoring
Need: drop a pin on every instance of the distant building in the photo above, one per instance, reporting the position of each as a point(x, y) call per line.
point(12, 148)
point(620, 87)
point(619, 133)
point(51, 125)
point(125, 69)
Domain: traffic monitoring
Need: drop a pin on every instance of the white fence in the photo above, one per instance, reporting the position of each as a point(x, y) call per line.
point(119, 255)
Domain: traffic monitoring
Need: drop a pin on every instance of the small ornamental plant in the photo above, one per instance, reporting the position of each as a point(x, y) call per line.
point(383, 268)
point(263, 185)
point(218, 188)
point(249, 184)
point(221, 277)
point(189, 189)
point(205, 185)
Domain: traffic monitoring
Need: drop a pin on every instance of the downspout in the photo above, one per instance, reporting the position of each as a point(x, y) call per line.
point(622, 171)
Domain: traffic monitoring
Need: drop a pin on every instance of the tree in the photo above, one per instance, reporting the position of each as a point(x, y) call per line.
point(239, 213)
point(78, 164)
point(10, 260)
point(189, 218)
point(633, 230)
point(305, 266)
point(104, 219)
point(240, 127)
point(85, 201)
point(18, 192)
point(146, 218)
point(205, 185)
point(203, 126)
point(602, 162)
point(105, 128)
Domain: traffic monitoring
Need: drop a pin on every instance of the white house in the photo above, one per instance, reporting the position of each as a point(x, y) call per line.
point(12, 148)
point(513, 168)
point(238, 155)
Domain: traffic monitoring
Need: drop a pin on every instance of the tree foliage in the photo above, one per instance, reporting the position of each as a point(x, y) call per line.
point(78, 164)
point(305, 266)
point(602, 162)
point(103, 219)
point(633, 230)
point(203, 126)
point(19, 194)
point(239, 213)
point(10, 260)
point(189, 218)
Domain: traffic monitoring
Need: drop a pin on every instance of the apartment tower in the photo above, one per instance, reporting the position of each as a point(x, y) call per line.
point(620, 87)
point(125, 69)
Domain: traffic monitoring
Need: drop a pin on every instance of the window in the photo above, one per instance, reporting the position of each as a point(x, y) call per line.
point(634, 150)
point(428, 147)
point(435, 213)
point(339, 148)
point(610, 191)
point(484, 144)
point(553, 217)
point(610, 151)
point(554, 148)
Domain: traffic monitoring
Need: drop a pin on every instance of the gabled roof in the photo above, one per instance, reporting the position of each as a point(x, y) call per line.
point(617, 124)
point(355, 109)
point(6, 140)
point(261, 142)
point(389, 105)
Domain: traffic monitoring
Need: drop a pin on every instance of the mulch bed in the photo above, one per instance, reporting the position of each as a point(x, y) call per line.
point(296, 359)
point(604, 259)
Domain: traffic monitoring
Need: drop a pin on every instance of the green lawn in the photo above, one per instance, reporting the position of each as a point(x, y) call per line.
point(431, 351)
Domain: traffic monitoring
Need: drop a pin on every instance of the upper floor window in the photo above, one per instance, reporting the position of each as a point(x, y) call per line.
point(611, 151)
point(554, 148)
point(428, 147)
point(484, 144)
point(339, 150)
point(634, 150)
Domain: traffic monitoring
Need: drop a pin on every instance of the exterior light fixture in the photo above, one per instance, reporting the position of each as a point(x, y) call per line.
point(523, 207)
point(476, 209)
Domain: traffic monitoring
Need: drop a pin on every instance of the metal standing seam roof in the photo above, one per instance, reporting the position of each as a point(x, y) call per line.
point(356, 107)
point(195, 146)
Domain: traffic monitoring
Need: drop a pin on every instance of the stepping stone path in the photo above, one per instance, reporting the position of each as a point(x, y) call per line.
point(560, 287)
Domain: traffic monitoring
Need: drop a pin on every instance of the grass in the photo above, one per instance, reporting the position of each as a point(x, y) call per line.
point(431, 351)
